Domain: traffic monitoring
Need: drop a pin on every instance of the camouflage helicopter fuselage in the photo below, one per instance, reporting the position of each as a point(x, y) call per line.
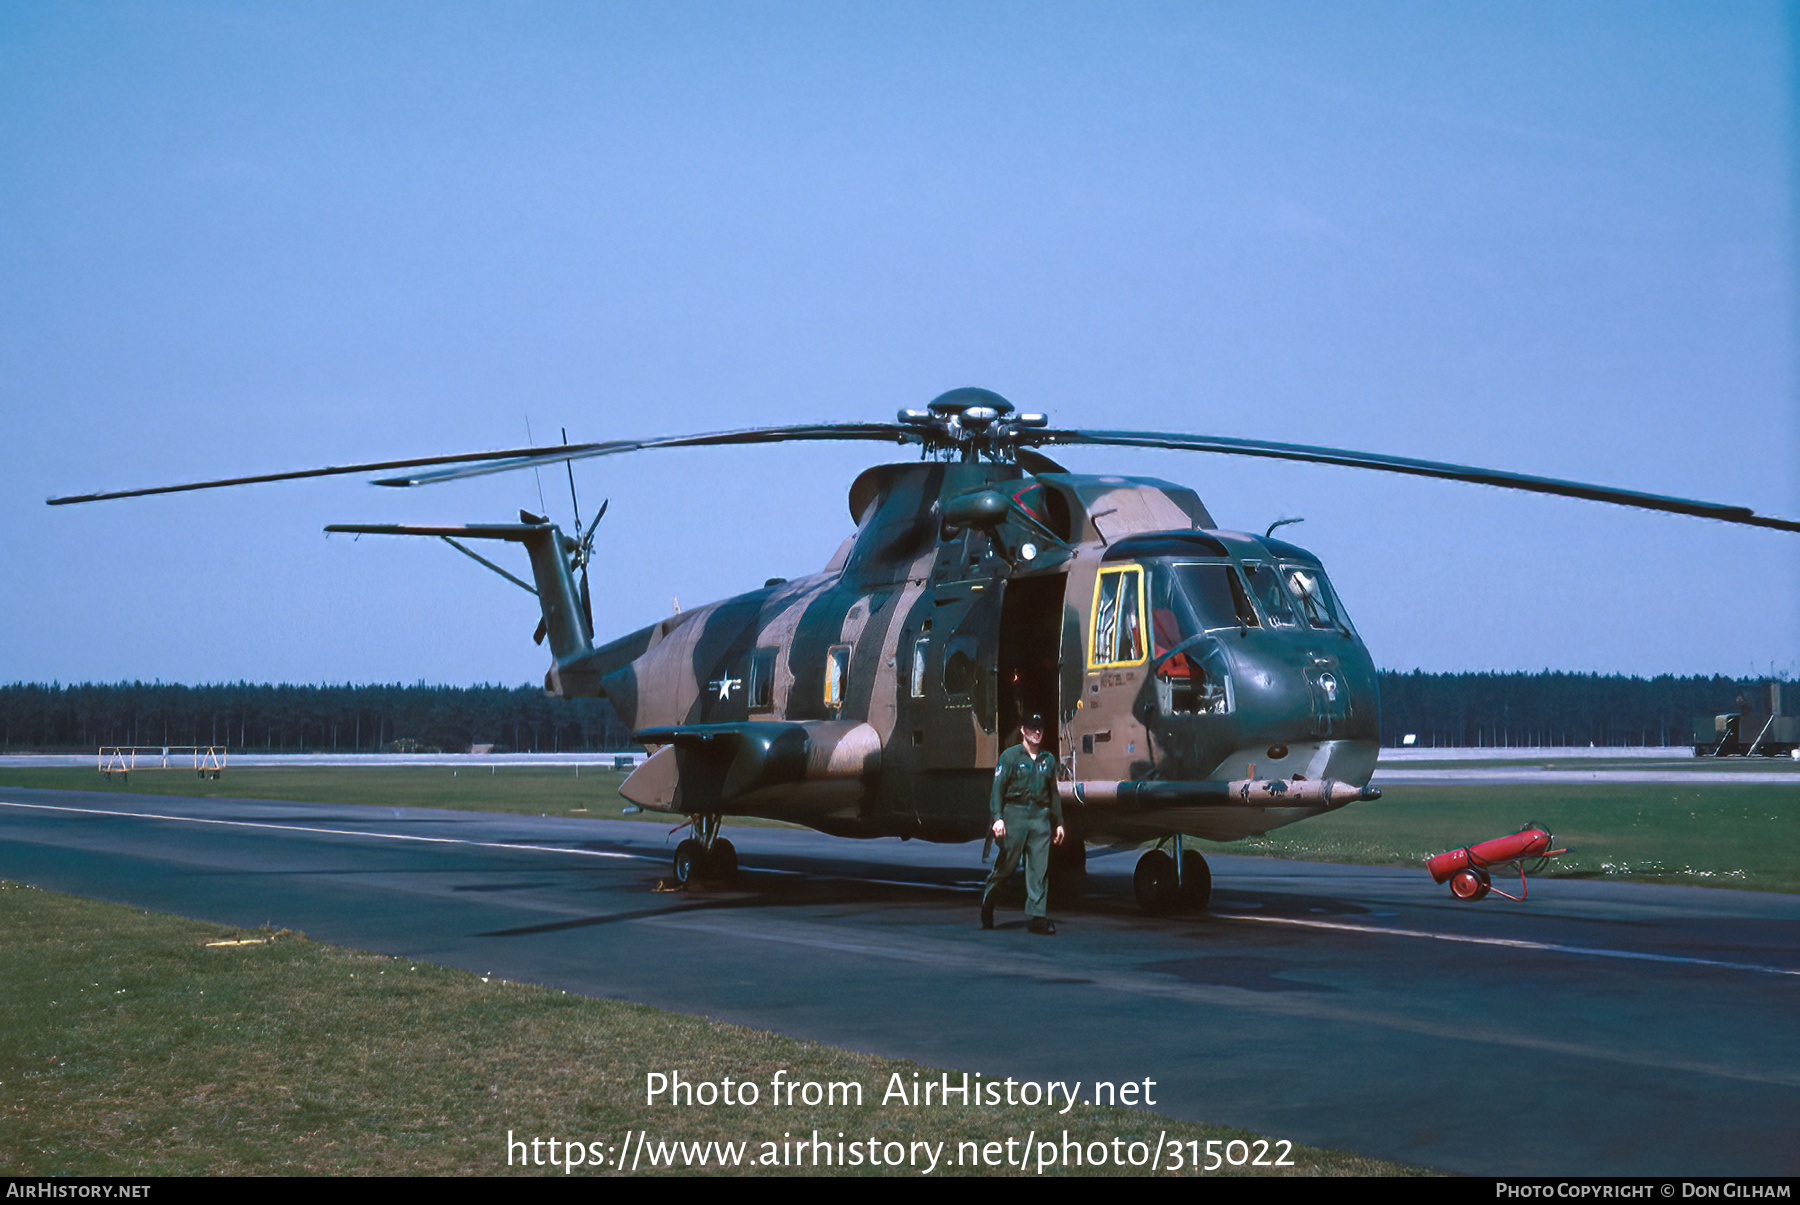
point(1201, 682)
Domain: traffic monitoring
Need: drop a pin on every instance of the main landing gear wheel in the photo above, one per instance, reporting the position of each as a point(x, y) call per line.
point(690, 857)
point(722, 863)
point(1154, 883)
point(1196, 880)
point(695, 864)
point(1470, 883)
point(706, 858)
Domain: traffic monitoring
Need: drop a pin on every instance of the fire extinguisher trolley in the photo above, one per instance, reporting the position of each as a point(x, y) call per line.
point(1466, 869)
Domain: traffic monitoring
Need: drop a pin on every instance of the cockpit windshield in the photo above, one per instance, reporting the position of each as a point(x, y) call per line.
point(1314, 597)
point(1265, 584)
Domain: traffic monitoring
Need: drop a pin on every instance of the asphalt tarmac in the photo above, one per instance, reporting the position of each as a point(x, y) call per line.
point(1596, 1029)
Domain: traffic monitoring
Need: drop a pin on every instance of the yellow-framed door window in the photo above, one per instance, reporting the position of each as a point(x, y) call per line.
point(1117, 635)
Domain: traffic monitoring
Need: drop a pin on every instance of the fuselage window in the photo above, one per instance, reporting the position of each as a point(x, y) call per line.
point(959, 668)
point(1118, 635)
point(762, 679)
point(921, 651)
point(837, 675)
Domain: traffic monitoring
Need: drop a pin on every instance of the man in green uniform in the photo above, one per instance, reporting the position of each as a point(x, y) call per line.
point(1027, 816)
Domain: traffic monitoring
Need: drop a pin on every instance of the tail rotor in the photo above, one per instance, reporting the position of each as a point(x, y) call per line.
point(583, 551)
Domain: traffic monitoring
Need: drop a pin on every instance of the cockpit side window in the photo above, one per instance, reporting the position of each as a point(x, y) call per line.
point(1191, 674)
point(1200, 597)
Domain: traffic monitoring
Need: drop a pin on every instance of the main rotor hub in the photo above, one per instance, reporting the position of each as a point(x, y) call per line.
point(970, 423)
point(969, 397)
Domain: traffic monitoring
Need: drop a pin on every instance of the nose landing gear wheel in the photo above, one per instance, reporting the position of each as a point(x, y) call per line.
point(1154, 883)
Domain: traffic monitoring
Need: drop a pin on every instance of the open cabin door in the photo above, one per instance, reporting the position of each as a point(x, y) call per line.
point(987, 659)
point(1030, 657)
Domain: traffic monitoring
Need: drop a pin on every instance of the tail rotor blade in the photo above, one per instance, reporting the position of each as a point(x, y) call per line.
point(587, 554)
point(573, 500)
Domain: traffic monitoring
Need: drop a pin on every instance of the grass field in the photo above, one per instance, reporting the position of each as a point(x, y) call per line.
point(1732, 765)
point(132, 1046)
point(532, 790)
point(1702, 834)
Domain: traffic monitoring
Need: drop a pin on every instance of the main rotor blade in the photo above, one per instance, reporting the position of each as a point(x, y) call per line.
point(295, 475)
point(507, 459)
point(1227, 445)
point(880, 432)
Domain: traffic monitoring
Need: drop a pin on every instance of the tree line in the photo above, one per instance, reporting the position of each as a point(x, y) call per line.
point(1553, 708)
point(305, 719)
point(1464, 709)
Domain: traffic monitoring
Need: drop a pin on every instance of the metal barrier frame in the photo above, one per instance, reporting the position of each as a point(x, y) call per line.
point(208, 760)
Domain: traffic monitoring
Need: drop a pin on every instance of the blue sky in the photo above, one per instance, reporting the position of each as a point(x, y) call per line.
point(239, 238)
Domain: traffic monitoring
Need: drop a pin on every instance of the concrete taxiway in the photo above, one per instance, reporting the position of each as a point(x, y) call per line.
point(1599, 1028)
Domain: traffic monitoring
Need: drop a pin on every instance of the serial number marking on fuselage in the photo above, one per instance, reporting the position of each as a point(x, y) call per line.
point(335, 832)
point(1511, 943)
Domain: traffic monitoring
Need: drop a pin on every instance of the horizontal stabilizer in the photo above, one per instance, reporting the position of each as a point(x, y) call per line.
point(571, 646)
point(519, 533)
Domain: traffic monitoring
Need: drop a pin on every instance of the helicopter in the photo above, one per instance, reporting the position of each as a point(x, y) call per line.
point(1199, 682)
